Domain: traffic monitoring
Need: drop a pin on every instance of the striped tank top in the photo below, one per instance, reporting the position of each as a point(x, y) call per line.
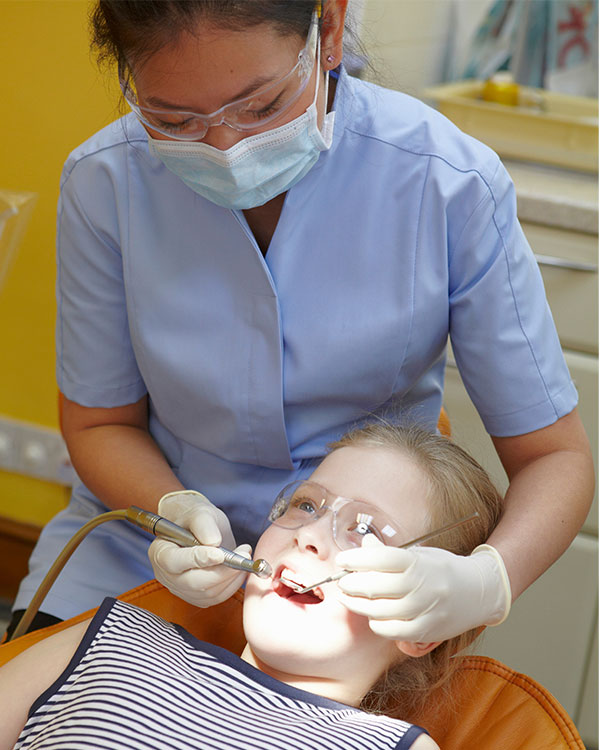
point(137, 681)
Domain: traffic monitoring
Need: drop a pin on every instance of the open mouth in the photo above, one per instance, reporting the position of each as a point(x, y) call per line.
point(287, 584)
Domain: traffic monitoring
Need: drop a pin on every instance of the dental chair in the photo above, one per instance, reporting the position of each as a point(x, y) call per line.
point(495, 708)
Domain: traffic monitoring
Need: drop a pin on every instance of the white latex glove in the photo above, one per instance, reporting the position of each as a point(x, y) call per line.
point(195, 574)
point(424, 594)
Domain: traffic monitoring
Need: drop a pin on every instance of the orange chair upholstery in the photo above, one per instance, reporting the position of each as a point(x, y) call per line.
point(495, 708)
point(498, 708)
point(444, 423)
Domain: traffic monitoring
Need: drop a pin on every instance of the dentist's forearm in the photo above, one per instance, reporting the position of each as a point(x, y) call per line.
point(551, 488)
point(115, 455)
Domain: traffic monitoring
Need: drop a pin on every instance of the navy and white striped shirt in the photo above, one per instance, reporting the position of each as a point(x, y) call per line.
point(137, 681)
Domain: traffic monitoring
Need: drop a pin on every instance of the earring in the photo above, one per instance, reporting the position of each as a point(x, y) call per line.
point(330, 58)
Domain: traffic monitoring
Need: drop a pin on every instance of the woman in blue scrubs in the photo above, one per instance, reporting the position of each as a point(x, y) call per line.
point(264, 251)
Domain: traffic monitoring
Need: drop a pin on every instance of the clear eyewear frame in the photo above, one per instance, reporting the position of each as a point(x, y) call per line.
point(248, 113)
point(304, 502)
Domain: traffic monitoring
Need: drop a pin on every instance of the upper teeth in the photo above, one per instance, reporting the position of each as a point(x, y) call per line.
point(286, 577)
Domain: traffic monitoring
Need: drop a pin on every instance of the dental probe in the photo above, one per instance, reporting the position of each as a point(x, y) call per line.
point(165, 529)
point(412, 543)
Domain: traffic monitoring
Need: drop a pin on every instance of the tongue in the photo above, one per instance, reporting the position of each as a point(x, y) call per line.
point(308, 598)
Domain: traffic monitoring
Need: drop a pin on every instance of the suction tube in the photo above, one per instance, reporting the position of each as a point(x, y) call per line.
point(58, 565)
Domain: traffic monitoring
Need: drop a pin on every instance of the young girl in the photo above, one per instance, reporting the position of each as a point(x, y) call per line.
point(311, 666)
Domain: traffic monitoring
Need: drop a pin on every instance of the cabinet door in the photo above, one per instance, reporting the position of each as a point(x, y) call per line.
point(569, 265)
point(469, 432)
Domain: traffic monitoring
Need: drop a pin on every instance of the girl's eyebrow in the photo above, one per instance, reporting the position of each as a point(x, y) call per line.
point(256, 84)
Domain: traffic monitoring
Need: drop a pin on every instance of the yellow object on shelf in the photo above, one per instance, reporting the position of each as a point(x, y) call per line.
point(545, 126)
point(501, 89)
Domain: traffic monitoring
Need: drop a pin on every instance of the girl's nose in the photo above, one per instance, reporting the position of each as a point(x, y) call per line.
point(316, 537)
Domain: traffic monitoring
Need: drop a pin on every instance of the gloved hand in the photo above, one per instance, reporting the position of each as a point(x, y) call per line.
point(424, 594)
point(194, 573)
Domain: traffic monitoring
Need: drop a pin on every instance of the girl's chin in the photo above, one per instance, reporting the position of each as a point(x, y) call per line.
point(297, 632)
point(283, 659)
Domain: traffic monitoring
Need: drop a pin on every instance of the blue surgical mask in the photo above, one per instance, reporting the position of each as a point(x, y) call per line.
point(256, 169)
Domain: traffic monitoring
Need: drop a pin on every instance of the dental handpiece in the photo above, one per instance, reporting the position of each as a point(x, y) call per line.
point(165, 529)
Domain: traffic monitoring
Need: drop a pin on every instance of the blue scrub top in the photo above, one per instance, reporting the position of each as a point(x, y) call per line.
point(403, 232)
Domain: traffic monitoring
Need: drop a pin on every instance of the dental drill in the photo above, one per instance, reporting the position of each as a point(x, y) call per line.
point(151, 522)
point(165, 529)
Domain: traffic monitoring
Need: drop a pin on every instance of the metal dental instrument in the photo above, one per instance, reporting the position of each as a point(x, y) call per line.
point(412, 543)
point(165, 529)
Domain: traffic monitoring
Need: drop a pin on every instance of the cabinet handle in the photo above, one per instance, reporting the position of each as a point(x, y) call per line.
point(570, 265)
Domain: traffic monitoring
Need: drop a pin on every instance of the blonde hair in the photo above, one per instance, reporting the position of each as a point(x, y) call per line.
point(458, 486)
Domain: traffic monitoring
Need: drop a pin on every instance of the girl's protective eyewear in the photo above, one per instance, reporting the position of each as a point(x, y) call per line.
point(304, 502)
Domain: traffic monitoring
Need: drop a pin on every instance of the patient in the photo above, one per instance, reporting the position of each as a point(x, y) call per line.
point(313, 674)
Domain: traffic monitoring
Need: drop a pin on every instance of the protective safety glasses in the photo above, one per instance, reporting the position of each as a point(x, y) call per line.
point(304, 502)
point(249, 113)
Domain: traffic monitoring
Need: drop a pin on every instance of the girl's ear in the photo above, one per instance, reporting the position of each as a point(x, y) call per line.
point(416, 649)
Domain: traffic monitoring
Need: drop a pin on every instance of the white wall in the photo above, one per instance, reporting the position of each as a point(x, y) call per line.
point(416, 43)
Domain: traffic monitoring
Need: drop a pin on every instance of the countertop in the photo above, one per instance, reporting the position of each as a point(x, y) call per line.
point(555, 197)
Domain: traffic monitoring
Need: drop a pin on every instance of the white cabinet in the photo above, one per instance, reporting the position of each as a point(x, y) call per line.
point(571, 281)
point(551, 633)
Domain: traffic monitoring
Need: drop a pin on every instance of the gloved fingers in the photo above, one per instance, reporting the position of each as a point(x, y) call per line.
point(210, 581)
point(201, 593)
point(245, 550)
point(378, 609)
point(375, 584)
point(403, 607)
point(202, 522)
point(379, 557)
point(389, 621)
point(401, 630)
point(209, 586)
point(193, 511)
point(175, 504)
point(176, 560)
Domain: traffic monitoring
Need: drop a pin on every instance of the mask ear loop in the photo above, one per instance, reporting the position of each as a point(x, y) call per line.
point(318, 61)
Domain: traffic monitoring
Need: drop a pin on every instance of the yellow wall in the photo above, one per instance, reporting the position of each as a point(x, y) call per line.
point(52, 97)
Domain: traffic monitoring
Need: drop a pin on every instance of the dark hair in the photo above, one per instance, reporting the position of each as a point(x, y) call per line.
point(129, 31)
